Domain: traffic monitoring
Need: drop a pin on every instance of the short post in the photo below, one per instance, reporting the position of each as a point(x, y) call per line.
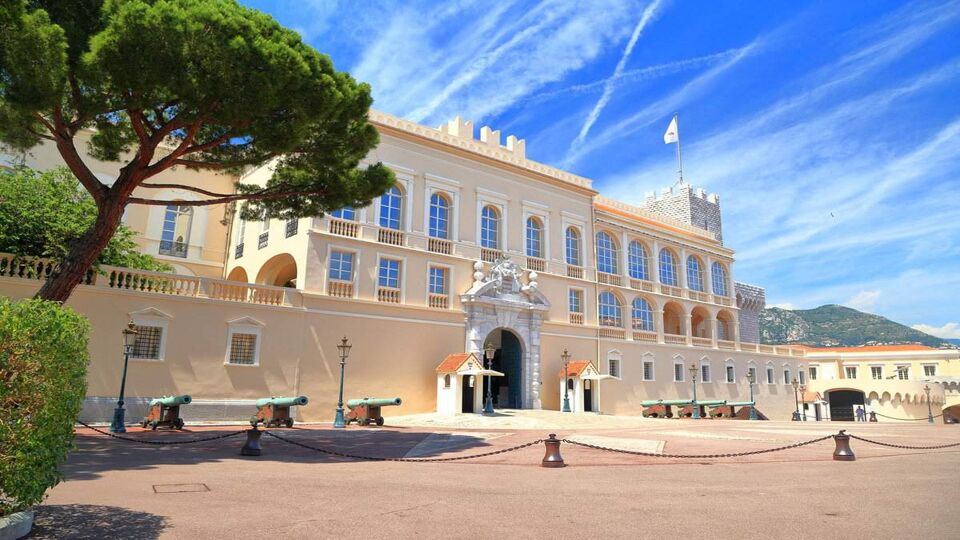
point(552, 457)
point(252, 446)
point(843, 452)
point(873, 416)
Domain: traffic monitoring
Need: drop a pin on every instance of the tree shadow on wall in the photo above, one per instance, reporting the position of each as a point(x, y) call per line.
point(81, 521)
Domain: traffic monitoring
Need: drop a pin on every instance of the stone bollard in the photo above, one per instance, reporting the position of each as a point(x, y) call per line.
point(252, 446)
point(552, 457)
point(843, 451)
point(873, 416)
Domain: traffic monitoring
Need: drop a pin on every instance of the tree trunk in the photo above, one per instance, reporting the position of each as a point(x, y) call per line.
point(83, 253)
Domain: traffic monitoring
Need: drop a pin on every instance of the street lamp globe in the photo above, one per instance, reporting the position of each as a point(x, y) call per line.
point(344, 348)
point(130, 335)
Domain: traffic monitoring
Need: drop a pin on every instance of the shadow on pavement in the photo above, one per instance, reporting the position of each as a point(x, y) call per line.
point(80, 521)
point(96, 454)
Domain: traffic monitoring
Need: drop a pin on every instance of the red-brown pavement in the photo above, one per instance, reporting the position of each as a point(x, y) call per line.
point(111, 488)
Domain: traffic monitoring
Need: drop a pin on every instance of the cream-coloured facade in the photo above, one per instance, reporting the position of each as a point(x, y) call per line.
point(891, 381)
point(476, 244)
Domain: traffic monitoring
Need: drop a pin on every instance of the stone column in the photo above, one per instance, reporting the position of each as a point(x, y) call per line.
point(714, 331)
point(658, 324)
point(688, 326)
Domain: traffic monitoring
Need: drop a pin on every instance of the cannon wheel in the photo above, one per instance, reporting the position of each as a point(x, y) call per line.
point(380, 421)
point(363, 422)
point(288, 422)
point(178, 423)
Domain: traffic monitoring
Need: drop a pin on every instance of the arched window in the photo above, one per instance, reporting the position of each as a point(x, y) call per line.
point(637, 261)
point(346, 213)
point(534, 238)
point(719, 274)
point(573, 247)
point(642, 315)
point(490, 228)
point(607, 254)
point(694, 274)
point(439, 226)
point(668, 268)
point(611, 310)
point(391, 203)
point(176, 231)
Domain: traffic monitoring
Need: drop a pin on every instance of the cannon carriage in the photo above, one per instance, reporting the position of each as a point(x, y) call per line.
point(661, 408)
point(275, 411)
point(165, 412)
point(366, 411)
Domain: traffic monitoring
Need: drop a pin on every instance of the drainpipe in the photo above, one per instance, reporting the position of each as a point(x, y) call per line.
point(596, 291)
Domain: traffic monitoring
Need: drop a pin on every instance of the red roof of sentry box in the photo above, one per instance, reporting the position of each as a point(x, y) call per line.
point(871, 348)
point(453, 362)
point(574, 368)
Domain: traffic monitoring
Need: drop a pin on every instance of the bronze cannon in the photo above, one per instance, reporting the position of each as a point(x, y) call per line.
point(275, 411)
point(165, 412)
point(366, 411)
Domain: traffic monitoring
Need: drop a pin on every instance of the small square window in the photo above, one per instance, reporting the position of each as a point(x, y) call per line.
point(341, 265)
point(813, 373)
point(647, 370)
point(876, 372)
point(243, 349)
point(614, 367)
point(850, 372)
point(929, 371)
point(148, 342)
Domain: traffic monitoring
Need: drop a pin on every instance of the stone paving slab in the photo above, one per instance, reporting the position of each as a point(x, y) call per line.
point(439, 443)
point(622, 443)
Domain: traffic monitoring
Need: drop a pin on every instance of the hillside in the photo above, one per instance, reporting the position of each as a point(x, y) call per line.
point(836, 326)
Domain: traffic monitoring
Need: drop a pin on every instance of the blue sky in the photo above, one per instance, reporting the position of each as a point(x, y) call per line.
point(830, 130)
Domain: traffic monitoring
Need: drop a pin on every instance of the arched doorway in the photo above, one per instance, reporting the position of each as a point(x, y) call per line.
point(279, 271)
point(507, 391)
point(843, 404)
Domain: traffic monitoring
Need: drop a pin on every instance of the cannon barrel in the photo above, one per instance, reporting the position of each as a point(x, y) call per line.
point(282, 401)
point(172, 401)
point(712, 402)
point(652, 402)
point(374, 402)
point(741, 403)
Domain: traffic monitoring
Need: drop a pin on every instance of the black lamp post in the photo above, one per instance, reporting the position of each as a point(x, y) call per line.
point(344, 349)
point(926, 388)
point(803, 389)
point(752, 378)
point(566, 397)
point(693, 379)
point(488, 352)
point(129, 340)
point(796, 412)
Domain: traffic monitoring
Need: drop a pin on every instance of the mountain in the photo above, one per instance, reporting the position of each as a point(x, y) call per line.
point(836, 326)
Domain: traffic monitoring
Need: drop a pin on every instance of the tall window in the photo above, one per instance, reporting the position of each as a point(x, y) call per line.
point(613, 367)
point(903, 372)
point(490, 228)
point(607, 254)
point(752, 373)
point(648, 370)
point(439, 226)
point(719, 274)
point(769, 375)
point(678, 370)
point(534, 238)
point(694, 274)
point(705, 372)
point(438, 280)
point(802, 377)
point(610, 310)
point(341, 265)
point(576, 301)
point(731, 374)
point(176, 231)
point(668, 268)
point(573, 247)
point(390, 205)
point(637, 261)
point(388, 275)
point(876, 372)
point(346, 213)
point(813, 373)
point(642, 315)
point(786, 376)
point(850, 372)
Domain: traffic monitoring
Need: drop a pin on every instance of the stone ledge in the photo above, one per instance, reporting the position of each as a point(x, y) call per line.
point(16, 525)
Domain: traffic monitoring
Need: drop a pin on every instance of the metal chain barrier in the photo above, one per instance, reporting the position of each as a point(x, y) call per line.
point(905, 447)
point(409, 460)
point(924, 419)
point(698, 456)
point(160, 443)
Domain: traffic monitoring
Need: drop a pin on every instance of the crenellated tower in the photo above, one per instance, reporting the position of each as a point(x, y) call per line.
point(689, 205)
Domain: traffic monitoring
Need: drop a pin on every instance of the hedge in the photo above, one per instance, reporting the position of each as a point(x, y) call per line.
point(43, 367)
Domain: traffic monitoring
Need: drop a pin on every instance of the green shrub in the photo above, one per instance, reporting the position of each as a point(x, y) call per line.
point(43, 367)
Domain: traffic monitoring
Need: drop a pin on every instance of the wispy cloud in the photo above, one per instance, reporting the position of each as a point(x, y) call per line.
point(951, 330)
point(608, 85)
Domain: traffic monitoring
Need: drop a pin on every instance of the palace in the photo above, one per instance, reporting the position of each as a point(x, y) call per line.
point(476, 247)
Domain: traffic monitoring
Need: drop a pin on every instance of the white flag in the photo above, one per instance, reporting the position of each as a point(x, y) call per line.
point(672, 135)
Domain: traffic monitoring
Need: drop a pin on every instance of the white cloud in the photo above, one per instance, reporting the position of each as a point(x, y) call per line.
point(863, 301)
point(608, 85)
point(785, 305)
point(951, 330)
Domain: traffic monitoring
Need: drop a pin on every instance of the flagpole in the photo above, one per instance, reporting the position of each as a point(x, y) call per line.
point(676, 118)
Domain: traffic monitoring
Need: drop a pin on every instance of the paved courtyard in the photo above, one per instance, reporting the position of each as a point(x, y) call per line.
point(116, 489)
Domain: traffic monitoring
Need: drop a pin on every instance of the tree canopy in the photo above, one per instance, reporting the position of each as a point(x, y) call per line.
point(41, 213)
point(203, 84)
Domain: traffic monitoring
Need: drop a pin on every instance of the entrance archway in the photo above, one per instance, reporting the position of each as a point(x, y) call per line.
point(843, 404)
point(507, 391)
